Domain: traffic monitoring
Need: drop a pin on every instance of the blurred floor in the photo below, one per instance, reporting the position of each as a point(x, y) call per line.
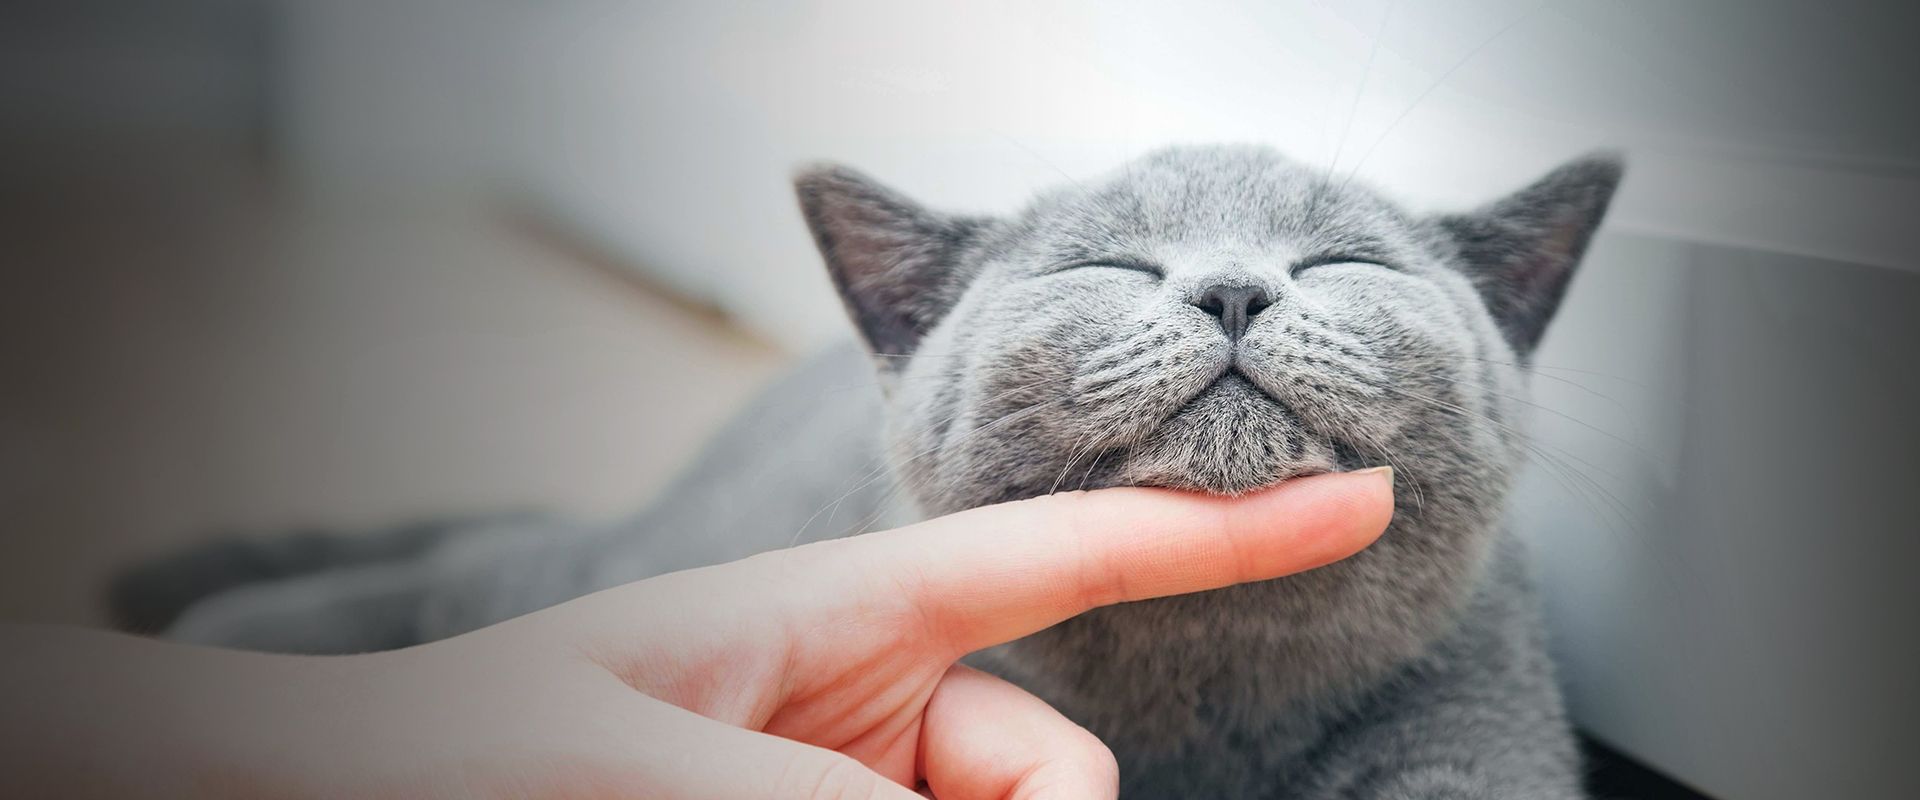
point(184, 351)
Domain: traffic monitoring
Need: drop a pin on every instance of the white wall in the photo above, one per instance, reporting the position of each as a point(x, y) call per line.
point(667, 130)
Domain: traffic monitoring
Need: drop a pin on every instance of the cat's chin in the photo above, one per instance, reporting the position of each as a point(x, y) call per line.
point(1231, 439)
point(1185, 483)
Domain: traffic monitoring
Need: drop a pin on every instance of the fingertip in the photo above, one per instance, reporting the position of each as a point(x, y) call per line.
point(1373, 502)
point(1327, 517)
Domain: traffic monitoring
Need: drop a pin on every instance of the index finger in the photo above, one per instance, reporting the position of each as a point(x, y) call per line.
point(997, 573)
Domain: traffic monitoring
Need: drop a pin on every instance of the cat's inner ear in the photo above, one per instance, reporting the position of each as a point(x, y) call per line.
point(897, 265)
point(1522, 250)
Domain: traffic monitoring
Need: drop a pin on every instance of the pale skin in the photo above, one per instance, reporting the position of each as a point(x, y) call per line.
point(824, 671)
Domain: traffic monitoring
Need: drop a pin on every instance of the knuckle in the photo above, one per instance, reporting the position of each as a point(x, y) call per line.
point(1242, 560)
point(1066, 510)
point(1095, 579)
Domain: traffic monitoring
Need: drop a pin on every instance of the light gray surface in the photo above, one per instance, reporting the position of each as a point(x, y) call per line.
point(1730, 579)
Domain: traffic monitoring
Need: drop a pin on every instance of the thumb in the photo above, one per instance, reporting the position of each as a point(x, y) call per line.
point(710, 759)
point(986, 738)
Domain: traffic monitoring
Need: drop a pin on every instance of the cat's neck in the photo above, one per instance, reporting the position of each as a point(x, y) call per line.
point(1299, 649)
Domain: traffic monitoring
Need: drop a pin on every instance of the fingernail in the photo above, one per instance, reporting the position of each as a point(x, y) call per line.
point(1384, 472)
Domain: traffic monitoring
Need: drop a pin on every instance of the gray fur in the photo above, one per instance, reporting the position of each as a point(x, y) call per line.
point(1062, 348)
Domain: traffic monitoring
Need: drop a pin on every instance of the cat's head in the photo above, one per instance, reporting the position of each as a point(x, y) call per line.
point(1210, 318)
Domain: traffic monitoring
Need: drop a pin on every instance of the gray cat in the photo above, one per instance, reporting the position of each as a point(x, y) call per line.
point(1214, 318)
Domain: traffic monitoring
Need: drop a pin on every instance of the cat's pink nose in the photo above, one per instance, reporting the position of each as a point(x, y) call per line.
point(1234, 306)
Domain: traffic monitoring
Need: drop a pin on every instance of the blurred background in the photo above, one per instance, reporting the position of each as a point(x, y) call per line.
point(281, 264)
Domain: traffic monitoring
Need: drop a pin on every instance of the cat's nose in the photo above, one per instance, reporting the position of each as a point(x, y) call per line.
point(1233, 305)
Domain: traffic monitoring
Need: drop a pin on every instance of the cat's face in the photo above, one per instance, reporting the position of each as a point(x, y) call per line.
point(1218, 319)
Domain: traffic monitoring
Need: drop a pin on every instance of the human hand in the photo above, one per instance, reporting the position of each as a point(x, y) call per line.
point(822, 671)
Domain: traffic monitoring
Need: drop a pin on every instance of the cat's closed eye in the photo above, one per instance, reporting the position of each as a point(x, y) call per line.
point(1334, 260)
point(1124, 264)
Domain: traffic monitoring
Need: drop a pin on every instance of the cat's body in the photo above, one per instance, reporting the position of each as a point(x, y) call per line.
point(1211, 318)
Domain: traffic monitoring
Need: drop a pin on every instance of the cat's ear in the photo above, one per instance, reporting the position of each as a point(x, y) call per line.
point(898, 266)
point(1521, 251)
